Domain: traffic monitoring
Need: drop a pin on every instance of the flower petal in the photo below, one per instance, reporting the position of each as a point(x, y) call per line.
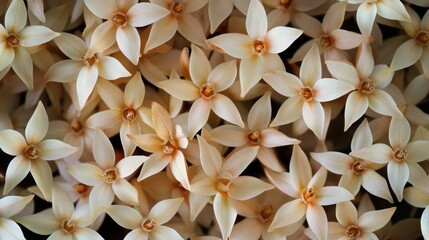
point(190, 28)
point(383, 103)
point(393, 9)
point(374, 220)
point(128, 165)
point(343, 71)
point(246, 187)
point(251, 70)
point(211, 160)
point(331, 195)
point(143, 14)
point(223, 75)
point(126, 192)
point(198, 116)
point(179, 169)
point(317, 221)
point(182, 89)
point(236, 136)
point(424, 220)
point(165, 210)
point(346, 40)
point(218, 12)
point(378, 153)
point(101, 196)
point(273, 138)
point(103, 37)
point(314, 116)
point(256, 20)
point(398, 174)
point(238, 161)
point(328, 89)
point(356, 106)
point(199, 66)
point(346, 213)
point(86, 173)
point(399, 132)
point(164, 233)
point(154, 164)
point(124, 216)
point(110, 68)
point(37, 126)
point(63, 71)
point(7, 55)
point(406, 55)
point(375, 184)
point(225, 108)
point(16, 16)
point(161, 31)
point(289, 111)
point(234, 44)
point(300, 168)
point(128, 40)
point(52, 149)
point(12, 205)
point(22, 64)
point(335, 162)
point(12, 142)
point(36, 35)
point(311, 67)
point(225, 213)
point(365, 17)
point(10, 230)
point(62, 205)
point(362, 137)
point(103, 151)
point(41, 173)
point(287, 214)
point(86, 81)
point(49, 224)
point(280, 38)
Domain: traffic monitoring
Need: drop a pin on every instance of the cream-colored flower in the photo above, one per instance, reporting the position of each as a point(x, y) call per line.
point(106, 176)
point(309, 192)
point(10, 206)
point(306, 93)
point(257, 49)
point(32, 152)
point(419, 197)
point(15, 38)
point(205, 88)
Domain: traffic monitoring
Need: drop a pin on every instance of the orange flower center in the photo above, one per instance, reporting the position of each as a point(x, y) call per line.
point(324, 42)
point(129, 114)
point(286, 3)
point(12, 40)
point(32, 152)
point(306, 93)
point(308, 195)
point(109, 176)
point(254, 138)
point(222, 184)
point(367, 87)
point(266, 212)
point(80, 188)
point(119, 19)
point(259, 46)
point(422, 37)
point(148, 224)
point(399, 154)
point(169, 148)
point(358, 167)
point(91, 60)
point(353, 232)
point(177, 8)
point(207, 91)
point(76, 126)
point(68, 226)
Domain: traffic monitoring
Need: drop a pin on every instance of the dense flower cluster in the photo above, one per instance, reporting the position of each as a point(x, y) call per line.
point(214, 119)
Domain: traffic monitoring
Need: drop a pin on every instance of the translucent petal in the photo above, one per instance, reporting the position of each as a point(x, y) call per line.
point(64, 71)
point(36, 35)
point(246, 187)
point(199, 66)
point(12, 205)
point(190, 28)
point(37, 126)
point(103, 151)
point(280, 38)
point(362, 137)
point(406, 55)
point(289, 111)
point(256, 20)
point(164, 233)
point(225, 108)
point(143, 14)
point(12, 142)
point(375, 184)
point(39, 170)
point(10, 230)
point(52, 149)
point(417, 151)
point(128, 165)
point(251, 70)
point(334, 17)
point(378, 153)
point(374, 220)
point(125, 216)
point(181, 89)
point(398, 174)
point(16, 16)
point(317, 221)
point(110, 68)
point(154, 164)
point(126, 192)
point(287, 214)
point(365, 17)
point(218, 12)
point(393, 9)
point(225, 213)
point(211, 160)
point(86, 173)
point(128, 40)
point(165, 210)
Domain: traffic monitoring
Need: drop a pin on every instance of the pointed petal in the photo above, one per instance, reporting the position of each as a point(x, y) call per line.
point(143, 14)
point(22, 64)
point(317, 221)
point(36, 35)
point(260, 114)
point(49, 224)
point(378, 153)
point(374, 220)
point(314, 116)
point(161, 31)
point(236, 136)
point(399, 132)
point(179, 169)
point(283, 82)
point(103, 36)
point(246, 187)
point(247, 229)
point(289, 111)
point(125, 216)
point(62, 205)
point(332, 195)
point(102, 9)
point(42, 175)
point(351, 182)
point(335, 162)
point(383, 103)
point(393, 9)
point(343, 71)
point(16, 171)
point(311, 26)
point(381, 75)
point(10, 230)
point(334, 17)
point(148, 142)
point(204, 187)
point(398, 174)
point(198, 116)
point(289, 213)
point(417, 151)
point(211, 160)
point(346, 40)
point(365, 17)
point(199, 66)
point(52, 149)
point(218, 12)
point(250, 73)
point(165, 210)
point(234, 44)
point(128, 165)
point(273, 138)
point(346, 213)
point(418, 176)
point(416, 90)
point(280, 38)
point(103, 151)
point(406, 55)
point(86, 81)
point(236, 163)
point(311, 67)
point(126, 192)
point(424, 220)
point(71, 45)
point(63, 71)
point(223, 75)
point(110, 68)
point(111, 94)
point(7, 55)
point(362, 137)
point(164, 233)
point(356, 106)
point(37, 126)
point(86, 173)
point(181, 89)
point(300, 168)
point(328, 89)
point(16, 16)
point(283, 181)
point(416, 197)
point(12, 205)
point(375, 184)
point(225, 213)
point(225, 108)
point(128, 40)
point(154, 164)
point(190, 28)
point(12, 142)
point(101, 196)
point(256, 20)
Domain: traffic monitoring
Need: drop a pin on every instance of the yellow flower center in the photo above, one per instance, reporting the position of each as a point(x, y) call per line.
point(32, 152)
point(177, 8)
point(222, 184)
point(366, 86)
point(207, 91)
point(68, 226)
point(148, 224)
point(76, 126)
point(91, 60)
point(306, 93)
point(254, 138)
point(324, 42)
point(12, 40)
point(259, 46)
point(353, 232)
point(358, 167)
point(169, 148)
point(129, 114)
point(423, 37)
point(119, 19)
point(308, 195)
point(266, 212)
point(399, 154)
point(109, 176)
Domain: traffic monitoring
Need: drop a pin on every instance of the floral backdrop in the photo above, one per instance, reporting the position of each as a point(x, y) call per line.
point(214, 119)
